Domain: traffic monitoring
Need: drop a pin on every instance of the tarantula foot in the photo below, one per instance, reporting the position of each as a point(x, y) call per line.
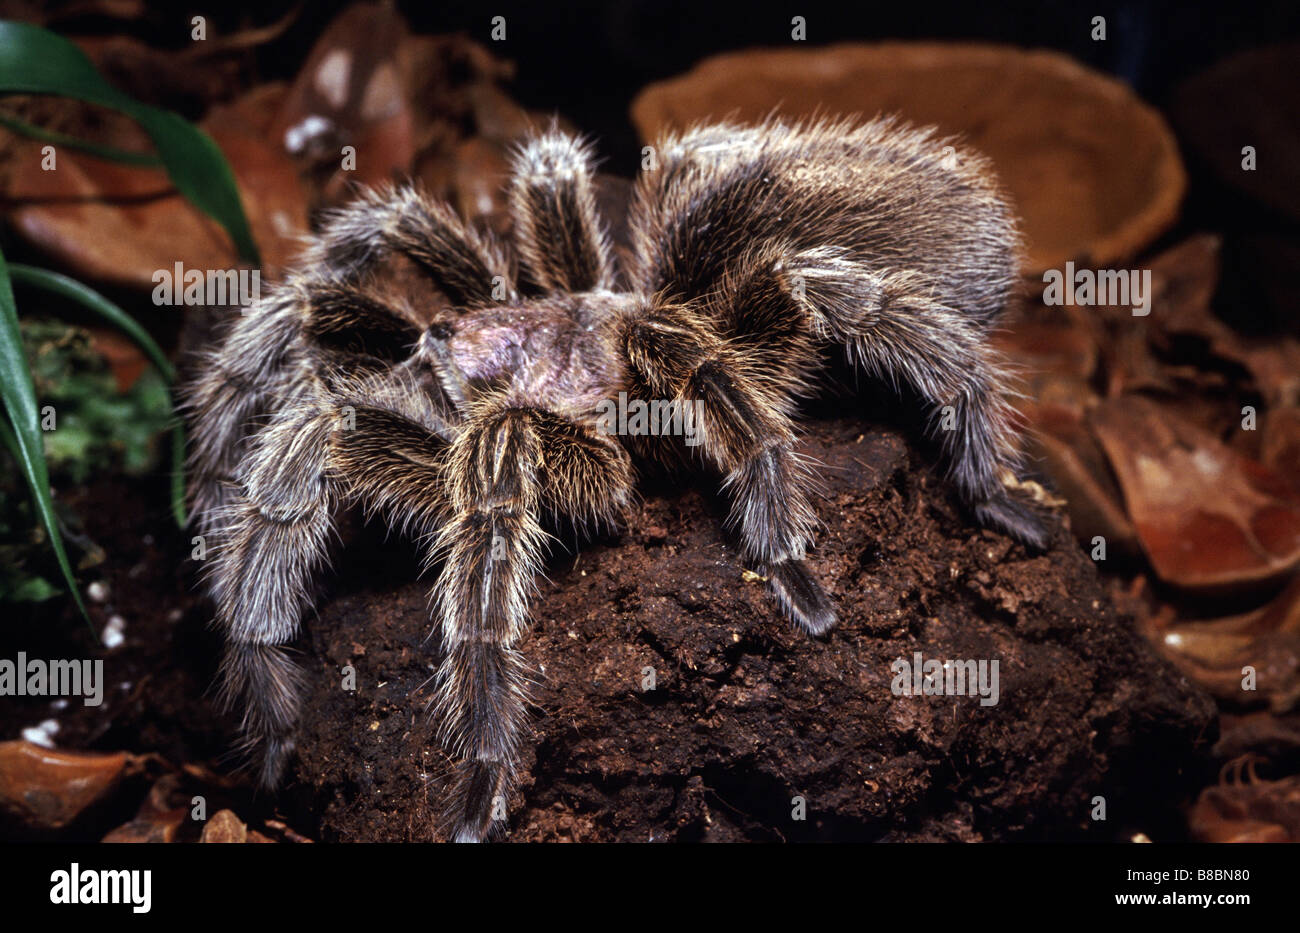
point(1016, 519)
point(801, 596)
point(275, 754)
point(265, 680)
point(479, 796)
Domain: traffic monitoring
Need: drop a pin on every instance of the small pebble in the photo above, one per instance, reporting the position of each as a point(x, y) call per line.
point(97, 591)
point(114, 632)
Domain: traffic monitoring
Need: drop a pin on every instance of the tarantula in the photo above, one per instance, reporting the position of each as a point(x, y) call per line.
point(473, 425)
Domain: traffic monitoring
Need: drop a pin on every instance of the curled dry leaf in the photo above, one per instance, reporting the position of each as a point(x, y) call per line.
point(1280, 447)
point(126, 360)
point(1217, 653)
point(120, 224)
point(1246, 808)
point(160, 817)
point(1260, 732)
point(1209, 519)
point(454, 84)
point(1057, 357)
point(104, 221)
point(478, 181)
point(1055, 346)
point(1094, 171)
point(174, 80)
point(47, 789)
point(351, 92)
point(1061, 445)
point(1184, 279)
point(273, 194)
point(498, 117)
point(167, 812)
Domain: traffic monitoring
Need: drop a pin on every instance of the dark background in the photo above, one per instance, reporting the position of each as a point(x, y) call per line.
point(592, 58)
point(588, 59)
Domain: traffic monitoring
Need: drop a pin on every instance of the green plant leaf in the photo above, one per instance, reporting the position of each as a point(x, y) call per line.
point(88, 298)
point(19, 397)
point(94, 301)
point(36, 61)
point(31, 590)
point(111, 153)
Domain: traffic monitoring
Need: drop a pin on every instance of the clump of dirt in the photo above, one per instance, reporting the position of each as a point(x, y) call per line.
point(672, 702)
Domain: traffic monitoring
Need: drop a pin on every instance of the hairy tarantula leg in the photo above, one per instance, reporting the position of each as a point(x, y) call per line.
point(465, 264)
point(435, 349)
point(261, 575)
point(272, 348)
point(236, 380)
point(269, 352)
point(493, 549)
point(748, 436)
point(342, 318)
point(301, 466)
point(502, 471)
point(897, 332)
point(558, 231)
point(391, 462)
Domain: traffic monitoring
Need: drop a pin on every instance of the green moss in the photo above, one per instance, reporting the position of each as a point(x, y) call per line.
point(97, 430)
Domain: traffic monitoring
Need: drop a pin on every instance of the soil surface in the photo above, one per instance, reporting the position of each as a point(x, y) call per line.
point(746, 714)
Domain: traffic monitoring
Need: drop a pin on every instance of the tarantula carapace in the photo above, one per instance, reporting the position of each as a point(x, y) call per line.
point(752, 248)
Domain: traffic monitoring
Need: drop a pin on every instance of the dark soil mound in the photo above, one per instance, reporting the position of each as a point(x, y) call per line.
point(746, 714)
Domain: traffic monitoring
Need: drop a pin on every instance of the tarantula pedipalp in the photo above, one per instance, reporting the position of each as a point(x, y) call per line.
point(752, 247)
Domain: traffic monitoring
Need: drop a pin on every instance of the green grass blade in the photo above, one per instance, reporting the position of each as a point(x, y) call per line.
point(89, 298)
point(19, 396)
point(178, 475)
point(36, 61)
point(145, 159)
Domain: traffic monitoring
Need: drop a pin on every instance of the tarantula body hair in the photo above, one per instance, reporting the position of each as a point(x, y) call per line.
point(473, 422)
point(882, 194)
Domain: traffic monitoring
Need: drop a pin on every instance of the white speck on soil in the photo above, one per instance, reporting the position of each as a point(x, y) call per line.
point(42, 734)
point(114, 635)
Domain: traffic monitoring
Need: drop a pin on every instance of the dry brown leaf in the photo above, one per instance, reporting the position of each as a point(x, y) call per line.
point(1208, 518)
point(45, 788)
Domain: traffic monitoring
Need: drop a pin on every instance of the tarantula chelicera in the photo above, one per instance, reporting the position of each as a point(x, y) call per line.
point(474, 425)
